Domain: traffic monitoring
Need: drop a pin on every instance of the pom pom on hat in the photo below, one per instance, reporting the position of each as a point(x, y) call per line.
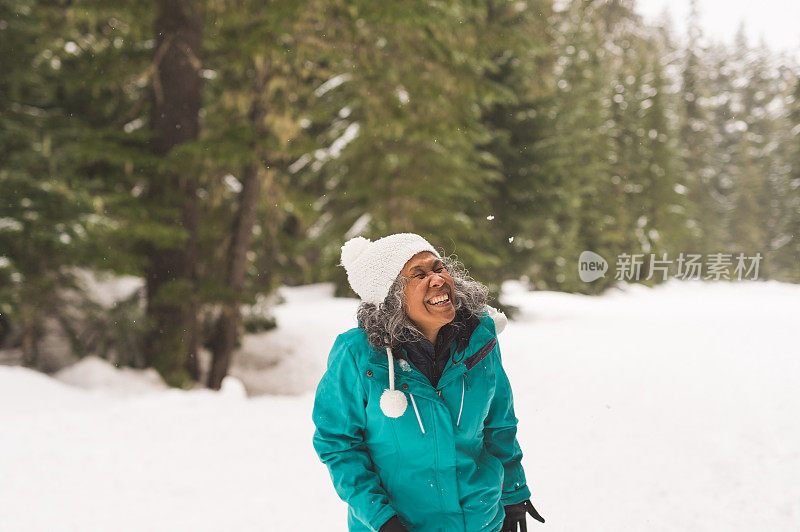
point(372, 267)
point(352, 249)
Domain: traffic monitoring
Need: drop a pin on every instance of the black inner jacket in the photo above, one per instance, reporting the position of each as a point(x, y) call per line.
point(432, 359)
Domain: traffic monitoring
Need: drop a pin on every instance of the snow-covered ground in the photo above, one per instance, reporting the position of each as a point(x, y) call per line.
point(673, 408)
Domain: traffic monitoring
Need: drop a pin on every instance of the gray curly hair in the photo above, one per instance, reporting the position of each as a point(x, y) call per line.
point(387, 324)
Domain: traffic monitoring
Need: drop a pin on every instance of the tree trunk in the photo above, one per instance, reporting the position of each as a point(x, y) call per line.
point(171, 342)
point(227, 329)
point(226, 334)
point(30, 344)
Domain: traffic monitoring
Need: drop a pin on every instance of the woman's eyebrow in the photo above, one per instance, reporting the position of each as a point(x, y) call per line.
point(421, 269)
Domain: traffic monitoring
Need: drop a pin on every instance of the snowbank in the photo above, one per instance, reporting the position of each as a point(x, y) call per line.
point(94, 373)
point(291, 359)
point(671, 408)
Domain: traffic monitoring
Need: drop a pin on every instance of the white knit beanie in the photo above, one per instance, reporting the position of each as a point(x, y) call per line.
point(372, 267)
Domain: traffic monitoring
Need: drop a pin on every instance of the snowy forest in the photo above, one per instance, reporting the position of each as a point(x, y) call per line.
point(178, 178)
point(218, 150)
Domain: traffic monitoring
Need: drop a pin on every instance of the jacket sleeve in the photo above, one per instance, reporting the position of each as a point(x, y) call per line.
point(340, 417)
point(500, 438)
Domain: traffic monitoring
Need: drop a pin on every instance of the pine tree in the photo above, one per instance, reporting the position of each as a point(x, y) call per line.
point(404, 122)
point(521, 63)
point(42, 217)
point(759, 175)
point(699, 145)
point(777, 118)
point(576, 157)
point(647, 143)
point(254, 132)
point(788, 245)
point(172, 340)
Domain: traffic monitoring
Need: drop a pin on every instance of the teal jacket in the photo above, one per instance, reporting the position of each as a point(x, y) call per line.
point(448, 464)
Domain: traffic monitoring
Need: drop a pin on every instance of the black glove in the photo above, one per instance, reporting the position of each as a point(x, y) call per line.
point(393, 525)
point(515, 515)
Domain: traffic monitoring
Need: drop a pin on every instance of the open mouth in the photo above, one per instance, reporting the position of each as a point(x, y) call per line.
point(439, 301)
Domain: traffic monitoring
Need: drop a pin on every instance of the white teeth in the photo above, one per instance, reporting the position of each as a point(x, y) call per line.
point(438, 299)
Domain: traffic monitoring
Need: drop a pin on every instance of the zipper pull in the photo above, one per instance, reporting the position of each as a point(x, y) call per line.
point(439, 392)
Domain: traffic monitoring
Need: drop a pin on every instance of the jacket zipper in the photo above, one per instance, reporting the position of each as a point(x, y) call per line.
point(436, 465)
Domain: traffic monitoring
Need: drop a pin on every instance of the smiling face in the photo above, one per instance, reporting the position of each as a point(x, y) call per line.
point(428, 293)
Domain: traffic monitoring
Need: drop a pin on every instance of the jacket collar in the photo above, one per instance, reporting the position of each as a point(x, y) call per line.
point(459, 330)
point(482, 334)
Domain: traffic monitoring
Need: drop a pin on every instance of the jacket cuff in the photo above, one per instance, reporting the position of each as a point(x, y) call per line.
point(520, 494)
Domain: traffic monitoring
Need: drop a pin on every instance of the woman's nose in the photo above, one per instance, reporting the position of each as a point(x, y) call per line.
point(436, 279)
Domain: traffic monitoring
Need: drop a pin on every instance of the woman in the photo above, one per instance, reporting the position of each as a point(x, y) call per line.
point(449, 461)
